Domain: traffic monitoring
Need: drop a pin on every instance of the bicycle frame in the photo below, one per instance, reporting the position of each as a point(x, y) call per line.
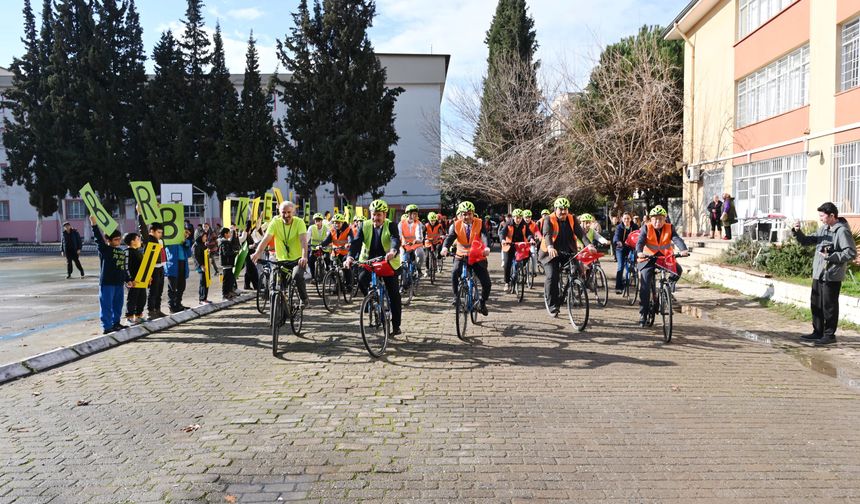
point(467, 276)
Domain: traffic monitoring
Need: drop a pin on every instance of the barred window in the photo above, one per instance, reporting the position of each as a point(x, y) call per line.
point(4, 211)
point(777, 88)
point(846, 165)
point(771, 186)
point(850, 55)
point(754, 13)
point(75, 210)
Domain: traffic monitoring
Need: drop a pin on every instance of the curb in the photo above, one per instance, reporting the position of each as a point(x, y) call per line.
point(64, 355)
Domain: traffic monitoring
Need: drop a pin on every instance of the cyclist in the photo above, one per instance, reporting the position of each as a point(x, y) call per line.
point(464, 232)
point(433, 231)
point(340, 238)
point(534, 227)
point(412, 239)
point(622, 250)
point(517, 231)
point(543, 216)
point(379, 237)
point(356, 224)
point(291, 244)
point(316, 234)
point(560, 232)
point(657, 238)
point(592, 229)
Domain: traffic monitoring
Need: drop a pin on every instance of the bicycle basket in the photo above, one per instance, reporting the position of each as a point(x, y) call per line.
point(668, 263)
point(587, 257)
point(476, 252)
point(523, 250)
point(632, 238)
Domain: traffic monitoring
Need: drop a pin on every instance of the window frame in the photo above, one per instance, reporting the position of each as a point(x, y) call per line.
point(844, 182)
point(854, 80)
point(8, 206)
point(77, 216)
point(774, 89)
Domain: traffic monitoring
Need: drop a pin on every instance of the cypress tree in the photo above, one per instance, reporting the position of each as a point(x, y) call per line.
point(196, 56)
point(512, 43)
point(221, 109)
point(132, 90)
point(257, 141)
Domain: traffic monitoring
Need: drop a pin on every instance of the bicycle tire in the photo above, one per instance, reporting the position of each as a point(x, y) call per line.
point(476, 296)
point(319, 274)
point(296, 309)
point(331, 290)
point(407, 292)
point(634, 287)
point(530, 277)
point(654, 307)
point(276, 317)
point(460, 308)
point(372, 317)
point(263, 294)
point(666, 313)
point(600, 286)
point(347, 289)
point(521, 284)
point(577, 305)
point(431, 270)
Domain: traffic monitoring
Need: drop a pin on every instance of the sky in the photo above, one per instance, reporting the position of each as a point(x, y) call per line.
point(570, 33)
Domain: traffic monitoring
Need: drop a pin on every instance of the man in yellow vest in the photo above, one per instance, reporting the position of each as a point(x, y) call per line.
point(658, 238)
point(465, 231)
point(379, 237)
point(317, 234)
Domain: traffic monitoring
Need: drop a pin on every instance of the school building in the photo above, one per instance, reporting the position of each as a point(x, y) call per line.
point(417, 157)
point(771, 108)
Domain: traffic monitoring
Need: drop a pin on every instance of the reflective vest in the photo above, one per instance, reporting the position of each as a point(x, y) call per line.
point(340, 240)
point(464, 243)
point(534, 228)
point(553, 220)
point(409, 235)
point(509, 237)
point(318, 235)
point(658, 245)
point(433, 234)
point(367, 234)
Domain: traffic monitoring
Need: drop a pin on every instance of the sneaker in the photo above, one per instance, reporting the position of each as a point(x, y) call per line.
point(119, 327)
point(810, 337)
point(395, 331)
point(175, 309)
point(183, 308)
point(68, 277)
point(618, 292)
point(824, 340)
point(82, 275)
point(642, 320)
point(108, 331)
point(554, 310)
point(454, 302)
point(483, 309)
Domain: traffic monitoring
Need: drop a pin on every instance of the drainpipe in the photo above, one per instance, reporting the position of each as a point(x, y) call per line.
point(694, 220)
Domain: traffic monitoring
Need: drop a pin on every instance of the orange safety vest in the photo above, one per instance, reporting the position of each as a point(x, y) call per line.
point(340, 241)
point(409, 234)
point(506, 244)
point(553, 220)
point(433, 234)
point(658, 245)
point(533, 227)
point(464, 243)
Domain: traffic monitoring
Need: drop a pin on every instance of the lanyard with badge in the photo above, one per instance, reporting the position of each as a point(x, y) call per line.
point(286, 239)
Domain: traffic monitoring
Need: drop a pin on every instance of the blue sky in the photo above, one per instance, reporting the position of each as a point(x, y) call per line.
point(570, 32)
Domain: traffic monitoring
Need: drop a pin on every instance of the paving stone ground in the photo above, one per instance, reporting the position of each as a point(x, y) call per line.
point(531, 411)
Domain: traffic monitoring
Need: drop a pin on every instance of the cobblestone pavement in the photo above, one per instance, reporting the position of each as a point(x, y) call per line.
point(531, 411)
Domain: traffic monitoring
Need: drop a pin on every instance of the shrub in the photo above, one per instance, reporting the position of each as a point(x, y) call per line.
point(748, 253)
point(790, 259)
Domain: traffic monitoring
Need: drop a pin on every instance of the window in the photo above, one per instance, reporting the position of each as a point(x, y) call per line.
point(4, 210)
point(846, 165)
point(772, 186)
point(754, 13)
point(779, 87)
point(850, 55)
point(75, 209)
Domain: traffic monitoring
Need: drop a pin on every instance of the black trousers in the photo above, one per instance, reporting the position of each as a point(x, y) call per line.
point(716, 225)
point(825, 307)
point(229, 280)
point(156, 287)
point(252, 278)
point(69, 260)
point(135, 302)
point(176, 287)
point(647, 275)
point(202, 290)
point(392, 286)
point(552, 270)
point(480, 269)
point(728, 228)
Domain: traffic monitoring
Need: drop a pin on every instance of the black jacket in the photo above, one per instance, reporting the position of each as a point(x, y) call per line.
point(228, 249)
point(112, 269)
point(133, 260)
point(72, 243)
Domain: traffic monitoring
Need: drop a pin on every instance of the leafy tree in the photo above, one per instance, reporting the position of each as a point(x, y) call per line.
point(194, 46)
point(256, 131)
point(222, 105)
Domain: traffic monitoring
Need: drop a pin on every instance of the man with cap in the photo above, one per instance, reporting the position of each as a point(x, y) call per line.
point(71, 249)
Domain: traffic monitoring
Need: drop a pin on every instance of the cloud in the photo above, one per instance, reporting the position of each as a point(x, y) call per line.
point(246, 14)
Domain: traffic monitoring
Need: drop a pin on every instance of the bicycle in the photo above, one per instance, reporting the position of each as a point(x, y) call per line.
point(661, 297)
point(410, 279)
point(263, 289)
point(519, 270)
point(320, 269)
point(531, 271)
point(285, 300)
point(572, 288)
point(595, 277)
point(375, 311)
point(468, 300)
point(631, 279)
point(335, 285)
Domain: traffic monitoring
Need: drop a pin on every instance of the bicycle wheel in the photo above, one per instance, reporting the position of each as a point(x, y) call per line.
point(374, 325)
point(431, 269)
point(346, 287)
point(666, 313)
point(319, 274)
point(520, 284)
point(600, 286)
point(277, 319)
point(461, 308)
point(331, 290)
point(633, 288)
point(407, 292)
point(655, 305)
point(577, 305)
point(296, 309)
point(530, 275)
point(476, 302)
point(263, 294)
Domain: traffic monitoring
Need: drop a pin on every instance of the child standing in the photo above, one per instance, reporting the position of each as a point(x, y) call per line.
point(227, 249)
point(112, 276)
point(136, 300)
point(199, 250)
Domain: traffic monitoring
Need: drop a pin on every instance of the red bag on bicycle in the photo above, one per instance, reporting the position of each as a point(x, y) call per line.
point(476, 252)
point(523, 251)
point(383, 268)
point(632, 238)
point(587, 257)
point(668, 262)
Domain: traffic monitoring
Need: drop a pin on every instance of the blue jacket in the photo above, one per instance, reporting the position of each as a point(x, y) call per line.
point(177, 254)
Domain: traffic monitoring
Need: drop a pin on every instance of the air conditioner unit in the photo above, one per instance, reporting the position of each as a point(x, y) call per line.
point(694, 173)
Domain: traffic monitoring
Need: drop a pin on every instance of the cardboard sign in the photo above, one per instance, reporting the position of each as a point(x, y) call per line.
point(391, 214)
point(255, 211)
point(226, 214)
point(147, 266)
point(267, 207)
point(242, 213)
point(206, 272)
point(94, 206)
point(241, 258)
point(278, 195)
point(307, 213)
point(173, 220)
point(359, 211)
point(347, 210)
point(336, 210)
point(147, 203)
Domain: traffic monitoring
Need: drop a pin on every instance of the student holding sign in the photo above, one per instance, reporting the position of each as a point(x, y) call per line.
point(153, 234)
point(112, 276)
point(200, 251)
point(177, 269)
point(136, 299)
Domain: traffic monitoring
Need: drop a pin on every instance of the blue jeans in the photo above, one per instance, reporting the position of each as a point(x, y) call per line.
point(622, 255)
point(110, 304)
